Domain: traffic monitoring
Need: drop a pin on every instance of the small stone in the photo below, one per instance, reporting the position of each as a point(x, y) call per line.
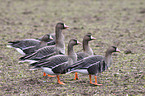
point(56, 95)
point(44, 81)
point(35, 26)
point(131, 60)
point(1, 58)
point(128, 51)
point(75, 28)
point(27, 12)
point(142, 11)
point(75, 21)
point(82, 27)
point(97, 45)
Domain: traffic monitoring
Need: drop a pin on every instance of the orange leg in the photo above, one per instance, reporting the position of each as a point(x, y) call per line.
point(96, 81)
point(58, 80)
point(76, 76)
point(44, 74)
point(90, 79)
point(50, 75)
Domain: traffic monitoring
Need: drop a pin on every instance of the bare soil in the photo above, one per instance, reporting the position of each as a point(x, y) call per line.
point(112, 22)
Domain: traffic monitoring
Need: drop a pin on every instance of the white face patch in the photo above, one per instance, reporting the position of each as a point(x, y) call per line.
point(93, 38)
point(65, 26)
point(51, 37)
point(117, 50)
point(78, 42)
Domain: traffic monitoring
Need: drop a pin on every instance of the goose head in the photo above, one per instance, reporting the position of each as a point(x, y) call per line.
point(112, 49)
point(89, 37)
point(61, 26)
point(46, 38)
point(74, 42)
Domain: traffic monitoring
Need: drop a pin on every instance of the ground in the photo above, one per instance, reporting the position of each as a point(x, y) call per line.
point(112, 22)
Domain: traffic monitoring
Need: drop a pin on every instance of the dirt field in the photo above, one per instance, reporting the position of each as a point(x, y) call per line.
point(112, 22)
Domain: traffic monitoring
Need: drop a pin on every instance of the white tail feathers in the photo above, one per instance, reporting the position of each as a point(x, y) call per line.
point(9, 46)
point(29, 61)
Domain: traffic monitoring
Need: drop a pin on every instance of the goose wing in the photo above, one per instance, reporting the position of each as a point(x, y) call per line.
point(23, 43)
point(81, 55)
point(29, 50)
point(60, 68)
point(86, 62)
point(97, 67)
point(52, 61)
point(40, 53)
point(51, 43)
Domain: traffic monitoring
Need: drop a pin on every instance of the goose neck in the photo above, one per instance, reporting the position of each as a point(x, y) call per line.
point(86, 47)
point(71, 54)
point(60, 45)
point(59, 36)
point(108, 58)
point(70, 50)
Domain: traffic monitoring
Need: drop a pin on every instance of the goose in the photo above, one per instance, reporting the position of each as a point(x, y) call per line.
point(87, 50)
point(32, 49)
point(53, 64)
point(58, 48)
point(94, 64)
point(27, 46)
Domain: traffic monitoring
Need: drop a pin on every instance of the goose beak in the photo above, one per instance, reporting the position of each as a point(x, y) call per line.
point(66, 27)
point(79, 43)
point(93, 38)
point(117, 50)
point(50, 37)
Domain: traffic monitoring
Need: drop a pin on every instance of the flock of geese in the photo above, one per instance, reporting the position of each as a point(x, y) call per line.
point(48, 53)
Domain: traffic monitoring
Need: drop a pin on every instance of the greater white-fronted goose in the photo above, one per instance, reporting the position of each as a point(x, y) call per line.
point(32, 49)
point(87, 50)
point(94, 64)
point(23, 46)
point(53, 64)
point(51, 41)
point(58, 48)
